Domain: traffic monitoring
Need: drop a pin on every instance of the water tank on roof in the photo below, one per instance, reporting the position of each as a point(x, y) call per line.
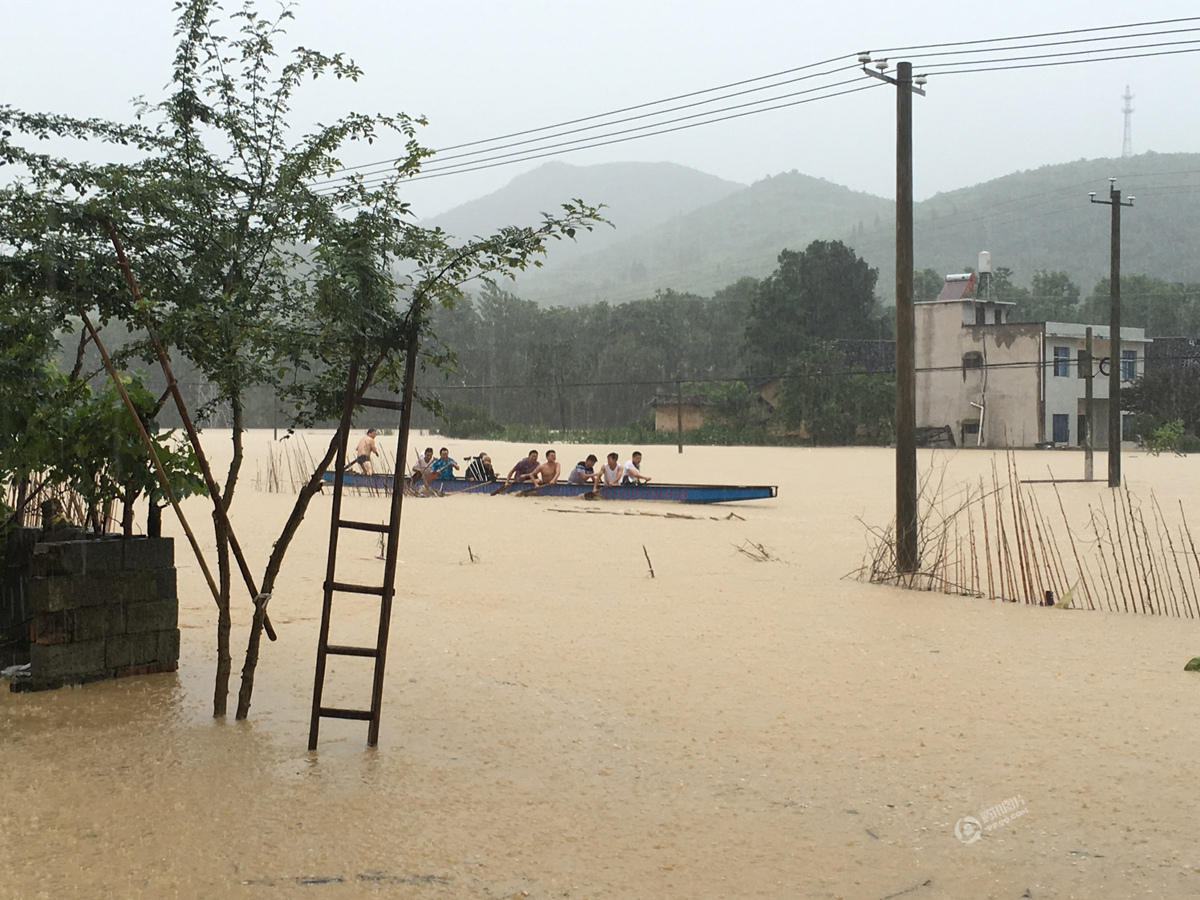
point(985, 262)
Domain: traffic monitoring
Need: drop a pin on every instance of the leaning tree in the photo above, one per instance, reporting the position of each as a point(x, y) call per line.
point(250, 250)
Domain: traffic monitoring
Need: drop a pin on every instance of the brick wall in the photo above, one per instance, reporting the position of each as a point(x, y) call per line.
point(100, 608)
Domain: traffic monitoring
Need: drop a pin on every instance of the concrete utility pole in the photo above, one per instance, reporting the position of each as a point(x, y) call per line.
point(1114, 331)
point(907, 555)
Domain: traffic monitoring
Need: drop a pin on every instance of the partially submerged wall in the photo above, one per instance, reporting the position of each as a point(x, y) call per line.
point(100, 608)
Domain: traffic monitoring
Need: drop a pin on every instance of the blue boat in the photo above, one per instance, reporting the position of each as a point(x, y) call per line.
point(679, 493)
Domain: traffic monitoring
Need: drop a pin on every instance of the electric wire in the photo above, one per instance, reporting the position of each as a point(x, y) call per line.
point(978, 66)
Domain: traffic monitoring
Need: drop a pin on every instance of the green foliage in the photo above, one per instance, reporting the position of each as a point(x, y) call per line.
point(834, 405)
point(1053, 297)
point(1167, 392)
point(1164, 309)
point(462, 420)
point(1166, 438)
point(823, 292)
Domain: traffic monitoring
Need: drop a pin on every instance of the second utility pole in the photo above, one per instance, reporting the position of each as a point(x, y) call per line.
point(1114, 332)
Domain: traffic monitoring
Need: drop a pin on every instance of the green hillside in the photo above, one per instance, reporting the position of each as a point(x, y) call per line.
point(637, 197)
point(712, 247)
point(1042, 219)
point(683, 230)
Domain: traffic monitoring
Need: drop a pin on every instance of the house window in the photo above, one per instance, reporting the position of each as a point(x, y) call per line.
point(996, 317)
point(1062, 361)
point(980, 314)
point(972, 359)
point(1081, 363)
point(1128, 365)
point(1062, 428)
point(970, 434)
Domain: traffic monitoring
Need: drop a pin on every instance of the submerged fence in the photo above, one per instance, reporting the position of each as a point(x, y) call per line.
point(997, 540)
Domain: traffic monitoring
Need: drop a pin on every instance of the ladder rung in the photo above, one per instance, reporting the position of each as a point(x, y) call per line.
point(380, 403)
point(353, 588)
point(335, 712)
point(346, 650)
point(362, 526)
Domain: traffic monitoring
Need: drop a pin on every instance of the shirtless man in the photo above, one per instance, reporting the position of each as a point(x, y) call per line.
point(364, 450)
point(630, 472)
point(547, 472)
point(610, 473)
point(523, 468)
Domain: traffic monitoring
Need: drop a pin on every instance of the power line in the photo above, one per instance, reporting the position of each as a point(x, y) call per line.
point(979, 65)
point(610, 122)
point(1024, 37)
point(463, 168)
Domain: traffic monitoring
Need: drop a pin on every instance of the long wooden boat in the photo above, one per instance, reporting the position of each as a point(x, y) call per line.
point(680, 493)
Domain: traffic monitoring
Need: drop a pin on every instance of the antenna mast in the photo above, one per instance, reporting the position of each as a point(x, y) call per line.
point(1127, 144)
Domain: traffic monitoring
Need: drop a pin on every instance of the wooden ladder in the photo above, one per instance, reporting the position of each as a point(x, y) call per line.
point(333, 587)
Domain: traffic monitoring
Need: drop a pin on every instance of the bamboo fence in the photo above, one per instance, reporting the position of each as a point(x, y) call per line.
point(998, 540)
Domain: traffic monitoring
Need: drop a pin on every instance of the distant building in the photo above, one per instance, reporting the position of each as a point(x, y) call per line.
point(996, 384)
point(668, 411)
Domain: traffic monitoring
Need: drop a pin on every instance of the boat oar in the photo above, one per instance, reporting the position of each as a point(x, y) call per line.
point(593, 494)
point(533, 491)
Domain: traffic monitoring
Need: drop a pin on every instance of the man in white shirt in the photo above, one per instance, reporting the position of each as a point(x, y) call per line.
point(631, 473)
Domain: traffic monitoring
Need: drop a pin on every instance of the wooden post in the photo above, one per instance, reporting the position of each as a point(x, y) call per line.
point(1114, 340)
point(906, 381)
point(1089, 414)
point(679, 412)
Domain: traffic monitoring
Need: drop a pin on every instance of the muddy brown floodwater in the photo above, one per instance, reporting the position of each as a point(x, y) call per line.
point(557, 724)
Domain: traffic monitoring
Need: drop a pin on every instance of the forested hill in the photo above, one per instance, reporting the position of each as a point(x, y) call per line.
point(1042, 219)
point(1036, 219)
point(712, 247)
point(637, 197)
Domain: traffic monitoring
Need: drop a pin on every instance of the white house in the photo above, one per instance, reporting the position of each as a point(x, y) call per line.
point(1002, 384)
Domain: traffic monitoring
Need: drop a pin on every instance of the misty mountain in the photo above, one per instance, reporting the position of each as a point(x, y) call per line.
point(1042, 219)
point(636, 197)
point(672, 235)
point(705, 250)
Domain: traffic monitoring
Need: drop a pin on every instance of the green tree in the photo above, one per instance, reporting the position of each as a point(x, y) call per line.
point(1163, 308)
point(1053, 297)
point(927, 284)
point(257, 263)
point(826, 292)
point(1165, 393)
point(835, 405)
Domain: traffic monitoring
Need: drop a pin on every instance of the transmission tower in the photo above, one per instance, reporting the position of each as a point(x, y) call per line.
point(1127, 144)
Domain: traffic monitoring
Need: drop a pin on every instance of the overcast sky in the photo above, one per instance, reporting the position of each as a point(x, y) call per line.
point(480, 69)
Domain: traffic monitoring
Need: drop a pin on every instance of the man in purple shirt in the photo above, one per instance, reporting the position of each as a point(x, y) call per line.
point(523, 470)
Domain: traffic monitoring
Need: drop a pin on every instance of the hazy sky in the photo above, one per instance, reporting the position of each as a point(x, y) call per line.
point(480, 69)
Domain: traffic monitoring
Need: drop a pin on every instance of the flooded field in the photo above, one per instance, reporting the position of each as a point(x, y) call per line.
point(558, 724)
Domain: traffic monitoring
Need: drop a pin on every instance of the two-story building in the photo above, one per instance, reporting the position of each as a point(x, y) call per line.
point(997, 383)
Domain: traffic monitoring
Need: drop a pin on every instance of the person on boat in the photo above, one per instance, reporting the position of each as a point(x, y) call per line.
point(422, 471)
point(631, 471)
point(443, 467)
point(364, 450)
point(523, 468)
point(585, 472)
point(547, 472)
point(610, 473)
point(481, 469)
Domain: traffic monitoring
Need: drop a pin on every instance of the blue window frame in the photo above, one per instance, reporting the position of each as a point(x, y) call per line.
point(1062, 361)
point(1062, 428)
point(1128, 365)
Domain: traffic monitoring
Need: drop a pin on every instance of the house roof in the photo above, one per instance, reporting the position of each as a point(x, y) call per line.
point(1074, 330)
